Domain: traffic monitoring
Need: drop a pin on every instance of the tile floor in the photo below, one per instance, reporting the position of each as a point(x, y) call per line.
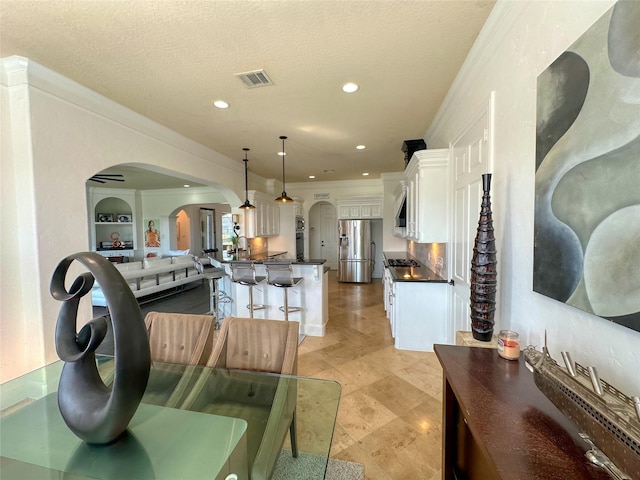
point(390, 413)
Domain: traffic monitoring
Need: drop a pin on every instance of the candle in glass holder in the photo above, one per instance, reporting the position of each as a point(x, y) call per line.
point(509, 344)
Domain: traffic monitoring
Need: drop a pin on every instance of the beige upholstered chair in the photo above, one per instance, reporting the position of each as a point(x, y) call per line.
point(179, 337)
point(176, 338)
point(268, 404)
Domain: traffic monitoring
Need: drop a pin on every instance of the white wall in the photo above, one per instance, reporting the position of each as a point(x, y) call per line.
point(519, 40)
point(337, 190)
point(55, 135)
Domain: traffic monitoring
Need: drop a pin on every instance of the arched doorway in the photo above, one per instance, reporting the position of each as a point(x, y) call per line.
point(323, 233)
point(183, 233)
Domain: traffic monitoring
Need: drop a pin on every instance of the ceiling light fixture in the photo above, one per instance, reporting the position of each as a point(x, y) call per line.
point(284, 198)
point(360, 147)
point(350, 87)
point(220, 104)
point(312, 176)
point(365, 174)
point(246, 205)
point(186, 185)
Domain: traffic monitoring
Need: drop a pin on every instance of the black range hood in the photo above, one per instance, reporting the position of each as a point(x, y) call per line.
point(411, 146)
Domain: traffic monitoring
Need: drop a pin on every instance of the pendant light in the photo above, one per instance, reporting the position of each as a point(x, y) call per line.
point(284, 198)
point(246, 205)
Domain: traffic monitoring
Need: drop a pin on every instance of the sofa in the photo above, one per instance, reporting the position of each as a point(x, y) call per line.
point(153, 275)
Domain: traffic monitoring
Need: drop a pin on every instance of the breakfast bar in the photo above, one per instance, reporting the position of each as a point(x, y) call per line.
point(311, 295)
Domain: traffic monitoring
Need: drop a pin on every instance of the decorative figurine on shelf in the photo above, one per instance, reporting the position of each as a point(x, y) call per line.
point(94, 412)
point(483, 270)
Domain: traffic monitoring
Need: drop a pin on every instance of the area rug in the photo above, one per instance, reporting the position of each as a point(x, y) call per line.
point(308, 467)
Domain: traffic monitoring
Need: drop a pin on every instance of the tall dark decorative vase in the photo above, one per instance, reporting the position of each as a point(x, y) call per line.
point(483, 270)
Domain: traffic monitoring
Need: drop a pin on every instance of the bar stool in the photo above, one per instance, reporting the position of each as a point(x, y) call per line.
point(281, 275)
point(216, 294)
point(244, 273)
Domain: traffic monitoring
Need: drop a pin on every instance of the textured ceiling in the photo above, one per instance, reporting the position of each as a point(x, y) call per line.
point(168, 60)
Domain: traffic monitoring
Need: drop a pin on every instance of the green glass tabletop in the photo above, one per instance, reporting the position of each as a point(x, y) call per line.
point(193, 422)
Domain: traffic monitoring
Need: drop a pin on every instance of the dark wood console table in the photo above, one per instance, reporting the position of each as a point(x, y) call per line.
point(498, 425)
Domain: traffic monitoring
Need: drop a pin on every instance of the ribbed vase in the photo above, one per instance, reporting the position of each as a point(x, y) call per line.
point(483, 270)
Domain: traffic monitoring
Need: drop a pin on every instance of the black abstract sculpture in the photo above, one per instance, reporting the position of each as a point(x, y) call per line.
point(484, 277)
point(94, 412)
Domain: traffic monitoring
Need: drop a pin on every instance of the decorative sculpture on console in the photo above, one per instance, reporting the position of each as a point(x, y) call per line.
point(483, 270)
point(94, 412)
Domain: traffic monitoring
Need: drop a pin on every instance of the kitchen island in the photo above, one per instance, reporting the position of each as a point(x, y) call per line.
point(312, 294)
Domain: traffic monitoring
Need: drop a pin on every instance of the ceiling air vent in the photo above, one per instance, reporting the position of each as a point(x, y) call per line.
point(257, 78)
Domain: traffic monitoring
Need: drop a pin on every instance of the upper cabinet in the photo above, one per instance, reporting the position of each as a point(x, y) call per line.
point(360, 207)
point(112, 220)
point(427, 186)
point(264, 220)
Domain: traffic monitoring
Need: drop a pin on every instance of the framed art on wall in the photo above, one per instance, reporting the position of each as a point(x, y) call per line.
point(104, 217)
point(587, 194)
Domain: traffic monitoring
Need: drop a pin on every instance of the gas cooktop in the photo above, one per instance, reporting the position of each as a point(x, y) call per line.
point(402, 262)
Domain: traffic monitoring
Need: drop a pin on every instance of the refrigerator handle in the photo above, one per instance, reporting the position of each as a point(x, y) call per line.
point(373, 256)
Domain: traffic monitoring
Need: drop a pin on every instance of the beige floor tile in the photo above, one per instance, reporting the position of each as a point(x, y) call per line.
point(372, 471)
point(422, 375)
point(402, 451)
point(396, 394)
point(390, 413)
point(311, 363)
point(360, 414)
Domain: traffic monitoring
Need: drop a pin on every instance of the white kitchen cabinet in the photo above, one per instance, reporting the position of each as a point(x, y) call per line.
point(418, 314)
point(365, 207)
point(427, 201)
point(264, 220)
point(389, 295)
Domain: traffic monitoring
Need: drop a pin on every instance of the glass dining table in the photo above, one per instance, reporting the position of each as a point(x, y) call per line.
point(193, 422)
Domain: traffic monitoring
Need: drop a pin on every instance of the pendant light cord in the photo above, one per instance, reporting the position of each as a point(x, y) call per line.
point(283, 138)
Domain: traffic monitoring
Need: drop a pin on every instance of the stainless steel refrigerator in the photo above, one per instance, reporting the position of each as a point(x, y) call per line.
point(355, 251)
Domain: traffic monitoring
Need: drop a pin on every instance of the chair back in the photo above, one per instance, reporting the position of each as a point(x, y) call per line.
point(257, 345)
point(280, 273)
point(243, 273)
point(180, 337)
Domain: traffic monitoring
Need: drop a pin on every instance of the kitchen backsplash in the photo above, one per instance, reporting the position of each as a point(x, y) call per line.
point(258, 245)
point(433, 255)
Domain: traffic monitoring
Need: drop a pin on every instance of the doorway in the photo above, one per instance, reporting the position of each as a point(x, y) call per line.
point(323, 233)
point(183, 231)
point(471, 154)
point(208, 228)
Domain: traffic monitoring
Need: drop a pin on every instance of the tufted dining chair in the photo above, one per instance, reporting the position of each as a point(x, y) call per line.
point(267, 404)
point(180, 339)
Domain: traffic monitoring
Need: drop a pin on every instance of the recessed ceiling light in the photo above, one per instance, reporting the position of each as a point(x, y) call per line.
point(186, 185)
point(282, 154)
point(365, 174)
point(312, 176)
point(220, 104)
point(350, 87)
point(360, 147)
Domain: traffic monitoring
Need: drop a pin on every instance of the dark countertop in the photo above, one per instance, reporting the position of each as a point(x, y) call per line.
point(266, 257)
point(411, 274)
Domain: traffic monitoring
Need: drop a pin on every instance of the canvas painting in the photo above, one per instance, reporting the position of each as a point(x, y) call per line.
point(587, 181)
point(151, 234)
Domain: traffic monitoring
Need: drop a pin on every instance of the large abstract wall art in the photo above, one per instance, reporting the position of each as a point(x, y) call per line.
point(587, 181)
